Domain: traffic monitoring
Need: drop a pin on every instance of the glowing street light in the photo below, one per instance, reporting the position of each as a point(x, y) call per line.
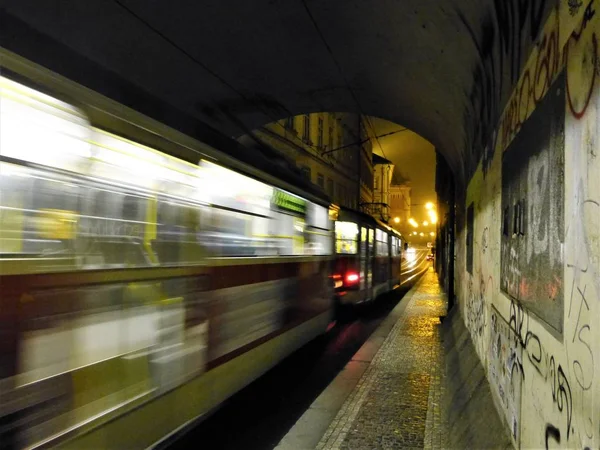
point(413, 222)
point(425, 223)
point(428, 205)
point(433, 216)
point(397, 219)
point(432, 234)
point(421, 234)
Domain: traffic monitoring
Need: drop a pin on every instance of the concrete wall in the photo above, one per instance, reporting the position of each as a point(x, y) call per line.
point(531, 300)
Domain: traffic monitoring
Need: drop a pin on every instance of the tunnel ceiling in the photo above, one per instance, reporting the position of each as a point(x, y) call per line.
point(442, 68)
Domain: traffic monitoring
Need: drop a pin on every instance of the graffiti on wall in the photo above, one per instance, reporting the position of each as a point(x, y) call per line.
point(582, 269)
point(505, 370)
point(581, 56)
point(476, 313)
point(532, 206)
point(517, 359)
point(509, 29)
point(545, 382)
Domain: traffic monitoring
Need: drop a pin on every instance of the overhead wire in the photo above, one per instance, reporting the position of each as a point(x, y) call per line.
point(237, 122)
point(340, 70)
point(363, 141)
point(368, 119)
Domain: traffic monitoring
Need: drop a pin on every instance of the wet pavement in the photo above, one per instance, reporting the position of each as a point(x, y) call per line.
point(397, 401)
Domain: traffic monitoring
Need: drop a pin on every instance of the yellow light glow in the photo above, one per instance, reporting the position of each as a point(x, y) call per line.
point(40, 129)
point(421, 234)
point(397, 219)
point(413, 222)
point(346, 230)
point(224, 187)
point(428, 205)
point(433, 217)
point(425, 223)
point(432, 234)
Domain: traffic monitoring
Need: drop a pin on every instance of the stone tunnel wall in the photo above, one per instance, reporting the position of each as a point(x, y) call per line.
point(528, 256)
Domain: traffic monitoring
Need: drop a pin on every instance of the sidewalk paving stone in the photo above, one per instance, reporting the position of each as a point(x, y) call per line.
point(397, 403)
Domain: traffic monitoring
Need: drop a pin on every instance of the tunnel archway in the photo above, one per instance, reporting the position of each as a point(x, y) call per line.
point(444, 70)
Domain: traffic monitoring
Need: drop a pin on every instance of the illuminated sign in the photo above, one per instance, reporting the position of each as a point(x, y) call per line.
point(289, 202)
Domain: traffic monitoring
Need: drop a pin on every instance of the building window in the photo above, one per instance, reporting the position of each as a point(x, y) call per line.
point(330, 187)
point(306, 172)
point(321, 180)
point(330, 139)
point(320, 135)
point(306, 131)
point(290, 123)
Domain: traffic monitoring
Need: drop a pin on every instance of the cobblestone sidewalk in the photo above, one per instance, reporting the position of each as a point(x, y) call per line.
point(396, 404)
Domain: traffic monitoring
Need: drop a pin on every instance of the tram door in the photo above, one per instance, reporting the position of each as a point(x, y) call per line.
point(366, 271)
point(363, 260)
point(370, 262)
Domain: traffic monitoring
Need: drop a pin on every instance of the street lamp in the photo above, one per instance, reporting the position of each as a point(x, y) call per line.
point(428, 206)
point(432, 216)
point(397, 219)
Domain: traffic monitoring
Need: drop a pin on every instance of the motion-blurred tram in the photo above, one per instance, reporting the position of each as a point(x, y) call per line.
point(368, 257)
point(139, 290)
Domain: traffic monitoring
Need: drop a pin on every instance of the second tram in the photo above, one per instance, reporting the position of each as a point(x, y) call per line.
point(368, 257)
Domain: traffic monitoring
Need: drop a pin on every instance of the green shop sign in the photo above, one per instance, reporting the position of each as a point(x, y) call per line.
point(288, 202)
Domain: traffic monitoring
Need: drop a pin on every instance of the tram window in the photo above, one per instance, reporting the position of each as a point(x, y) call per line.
point(234, 233)
point(381, 239)
point(346, 236)
point(363, 242)
point(114, 213)
point(132, 208)
point(49, 214)
point(287, 233)
point(318, 216)
point(176, 233)
point(318, 231)
point(112, 228)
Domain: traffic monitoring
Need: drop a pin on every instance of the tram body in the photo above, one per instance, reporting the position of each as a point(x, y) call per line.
point(368, 257)
point(138, 290)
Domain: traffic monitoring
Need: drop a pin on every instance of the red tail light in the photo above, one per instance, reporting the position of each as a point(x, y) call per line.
point(352, 278)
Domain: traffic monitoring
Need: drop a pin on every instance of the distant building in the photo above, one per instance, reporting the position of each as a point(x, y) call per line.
point(332, 150)
point(383, 170)
point(400, 192)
